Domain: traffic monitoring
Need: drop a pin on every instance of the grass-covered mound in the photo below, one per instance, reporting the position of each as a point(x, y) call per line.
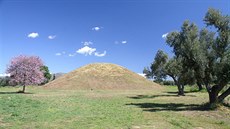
point(102, 76)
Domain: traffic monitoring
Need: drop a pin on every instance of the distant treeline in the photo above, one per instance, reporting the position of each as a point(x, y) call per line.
point(4, 81)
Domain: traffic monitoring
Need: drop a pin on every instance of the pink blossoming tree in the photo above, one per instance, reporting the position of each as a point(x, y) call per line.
point(25, 70)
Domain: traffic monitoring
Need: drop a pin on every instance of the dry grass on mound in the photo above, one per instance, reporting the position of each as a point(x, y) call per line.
point(102, 76)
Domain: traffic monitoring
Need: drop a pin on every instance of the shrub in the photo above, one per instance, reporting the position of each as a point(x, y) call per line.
point(4, 81)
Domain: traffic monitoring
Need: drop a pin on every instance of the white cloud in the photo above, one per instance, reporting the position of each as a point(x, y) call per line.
point(72, 55)
point(121, 42)
point(87, 43)
point(33, 35)
point(58, 54)
point(100, 54)
point(51, 36)
point(164, 35)
point(86, 50)
point(96, 28)
point(124, 42)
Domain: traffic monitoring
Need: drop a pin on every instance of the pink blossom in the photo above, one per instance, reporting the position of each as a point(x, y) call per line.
point(25, 70)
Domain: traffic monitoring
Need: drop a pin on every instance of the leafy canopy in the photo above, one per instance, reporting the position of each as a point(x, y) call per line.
point(25, 70)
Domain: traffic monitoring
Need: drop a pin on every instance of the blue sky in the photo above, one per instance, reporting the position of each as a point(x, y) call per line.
point(67, 34)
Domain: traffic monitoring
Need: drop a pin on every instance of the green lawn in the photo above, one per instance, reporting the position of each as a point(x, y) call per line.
point(41, 108)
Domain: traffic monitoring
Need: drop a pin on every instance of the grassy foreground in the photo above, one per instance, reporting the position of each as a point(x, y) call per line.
point(41, 108)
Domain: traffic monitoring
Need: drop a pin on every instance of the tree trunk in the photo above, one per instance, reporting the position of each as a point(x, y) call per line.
point(24, 88)
point(180, 90)
point(179, 86)
point(199, 86)
point(213, 98)
point(213, 94)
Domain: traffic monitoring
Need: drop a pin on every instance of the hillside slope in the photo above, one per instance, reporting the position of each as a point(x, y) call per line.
point(101, 76)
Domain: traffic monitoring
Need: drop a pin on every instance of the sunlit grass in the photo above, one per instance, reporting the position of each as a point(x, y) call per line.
point(81, 109)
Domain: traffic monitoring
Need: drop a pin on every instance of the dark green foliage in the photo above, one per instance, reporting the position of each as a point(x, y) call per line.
point(205, 55)
point(4, 81)
point(163, 67)
point(157, 67)
point(147, 72)
point(46, 73)
point(200, 56)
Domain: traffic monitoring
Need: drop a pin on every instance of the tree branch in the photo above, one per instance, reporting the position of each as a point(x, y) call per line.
point(223, 95)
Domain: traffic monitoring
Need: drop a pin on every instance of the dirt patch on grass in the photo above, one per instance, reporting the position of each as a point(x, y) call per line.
point(216, 114)
point(3, 124)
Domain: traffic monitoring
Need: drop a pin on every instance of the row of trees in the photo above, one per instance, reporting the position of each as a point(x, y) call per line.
point(4, 81)
point(201, 57)
point(28, 70)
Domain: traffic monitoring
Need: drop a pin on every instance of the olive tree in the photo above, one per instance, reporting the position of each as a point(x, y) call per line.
point(205, 53)
point(162, 67)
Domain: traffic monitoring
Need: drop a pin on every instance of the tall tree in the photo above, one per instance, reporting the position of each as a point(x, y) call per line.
point(25, 70)
point(221, 47)
point(46, 74)
point(205, 53)
point(162, 67)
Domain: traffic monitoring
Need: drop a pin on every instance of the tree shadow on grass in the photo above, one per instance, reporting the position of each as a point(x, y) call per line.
point(155, 107)
point(2, 92)
point(176, 92)
point(226, 104)
point(154, 96)
point(149, 96)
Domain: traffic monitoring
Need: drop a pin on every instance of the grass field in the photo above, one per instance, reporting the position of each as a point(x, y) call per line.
point(108, 109)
